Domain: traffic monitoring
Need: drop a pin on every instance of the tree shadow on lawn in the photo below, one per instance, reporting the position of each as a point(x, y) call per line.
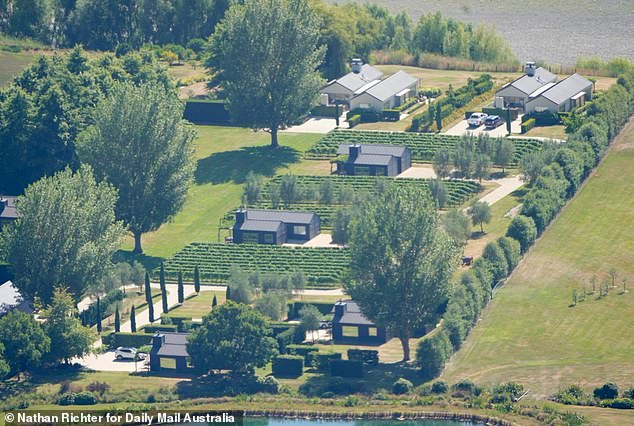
point(150, 263)
point(233, 166)
point(44, 375)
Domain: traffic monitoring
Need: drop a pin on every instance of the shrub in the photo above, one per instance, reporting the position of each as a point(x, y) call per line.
point(130, 339)
point(302, 350)
point(466, 386)
point(322, 361)
point(66, 399)
point(607, 391)
point(402, 386)
point(628, 393)
point(439, 387)
point(620, 403)
point(432, 353)
point(155, 328)
point(354, 120)
point(346, 368)
point(320, 385)
point(206, 112)
point(527, 125)
point(285, 338)
point(85, 398)
point(391, 115)
point(325, 111)
point(269, 385)
point(512, 251)
point(288, 366)
point(367, 356)
point(494, 255)
point(98, 387)
point(430, 92)
point(523, 229)
point(572, 395)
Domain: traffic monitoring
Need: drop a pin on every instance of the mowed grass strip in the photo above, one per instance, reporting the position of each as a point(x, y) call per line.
point(224, 155)
point(199, 304)
point(531, 334)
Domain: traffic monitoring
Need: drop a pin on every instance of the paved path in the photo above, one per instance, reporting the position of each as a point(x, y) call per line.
point(463, 127)
point(419, 172)
point(317, 125)
point(507, 186)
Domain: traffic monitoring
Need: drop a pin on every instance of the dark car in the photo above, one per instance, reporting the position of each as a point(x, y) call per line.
point(493, 121)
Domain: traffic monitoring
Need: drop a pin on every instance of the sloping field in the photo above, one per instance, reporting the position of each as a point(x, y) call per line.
point(554, 31)
point(530, 333)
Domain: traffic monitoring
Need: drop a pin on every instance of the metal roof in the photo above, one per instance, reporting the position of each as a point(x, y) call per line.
point(174, 344)
point(354, 81)
point(391, 86)
point(279, 216)
point(529, 84)
point(352, 315)
point(261, 225)
point(372, 160)
point(10, 298)
point(375, 149)
point(8, 210)
point(567, 88)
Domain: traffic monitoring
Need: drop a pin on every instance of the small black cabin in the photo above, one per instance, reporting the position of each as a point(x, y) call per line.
point(349, 325)
point(373, 160)
point(274, 226)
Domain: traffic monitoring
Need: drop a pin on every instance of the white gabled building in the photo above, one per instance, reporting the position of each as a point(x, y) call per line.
point(517, 93)
point(389, 93)
point(362, 77)
point(564, 96)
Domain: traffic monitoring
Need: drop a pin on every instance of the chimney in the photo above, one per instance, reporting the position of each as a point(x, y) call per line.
point(356, 65)
point(340, 308)
point(241, 216)
point(157, 340)
point(354, 151)
point(530, 69)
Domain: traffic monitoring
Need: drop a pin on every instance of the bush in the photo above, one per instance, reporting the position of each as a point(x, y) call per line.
point(542, 118)
point(439, 387)
point(620, 403)
point(325, 111)
point(367, 356)
point(322, 361)
point(607, 391)
point(321, 385)
point(295, 307)
point(527, 125)
point(512, 251)
point(354, 120)
point(628, 393)
point(154, 328)
point(302, 350)
point(430, 92)
point(367, 115)
point(402, 386)
point(523, 229)
point(466, 386)
point(494, 255)
point(285, 338)
point(288, 366)
point(66, 399)
point(268, 385)
point(572, 395)
point(98, 387)
point(346, 368)
point(432, 353)
point(85, 398)
point(391, 115)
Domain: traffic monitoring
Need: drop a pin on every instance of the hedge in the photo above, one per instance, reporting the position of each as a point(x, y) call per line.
point(391, 115)
point(288, 337)
point(178, 320)
point(288, 366)
point(206, 112)
point(322, 361)
point(354, 120)
point(134, 340)
point(295, 307)
point(325, 111)
point(367, 356)
point(155, 328)
point(346, 368)
point(542, 118)
point(430, 92)
point(527, 125)
point(302, 350)
point(502, 112)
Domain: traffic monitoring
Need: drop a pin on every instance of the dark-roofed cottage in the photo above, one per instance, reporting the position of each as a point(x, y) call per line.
point(373, 159)
point(167, 345)
point(274, 226)
point(517, 93)
point(8, 211)
point(362, 77)
point(564, 96)
point(394, 91)
point(349, 325)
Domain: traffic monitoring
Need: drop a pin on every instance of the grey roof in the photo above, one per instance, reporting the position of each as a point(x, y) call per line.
point(391, 86)
point(373, 160)
point(10, 298)
point(528, 84)
point(279, 216)
point(261, 225)
point(375, 149)
point(175, 344)
point(354, 81)
point(352, 315)
point(567, 88)
point(7, 208)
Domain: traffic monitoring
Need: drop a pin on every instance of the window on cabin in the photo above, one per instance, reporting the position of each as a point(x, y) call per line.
point(269, 238)
point(350, 331)
point(300, 230)
point(250, 237)
point(361, 170)
point(381, 171)
point(372, 332)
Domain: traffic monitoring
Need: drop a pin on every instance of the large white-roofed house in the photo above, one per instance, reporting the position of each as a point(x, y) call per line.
point(564, 96)
point(394, 91)
point(362, 77)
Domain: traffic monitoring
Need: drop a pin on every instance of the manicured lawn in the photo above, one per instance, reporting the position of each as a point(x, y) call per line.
point(554, 132)
point(530, 333)
point(199, 305)
point(225, 155)
point(12, 63)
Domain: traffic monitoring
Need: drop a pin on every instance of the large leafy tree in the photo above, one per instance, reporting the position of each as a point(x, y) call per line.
point(232, 337)
point(266, 53)
point(401, 262)
point(24, 341)
point(141, 145)
point(66, 234)
point(64, 329)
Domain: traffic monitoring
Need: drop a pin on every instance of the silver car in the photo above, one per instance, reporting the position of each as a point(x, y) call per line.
point(128, 353)
point(477, 119)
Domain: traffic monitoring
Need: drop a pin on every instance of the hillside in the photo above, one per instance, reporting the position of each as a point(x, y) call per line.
point(556, 32)
point(530, 333)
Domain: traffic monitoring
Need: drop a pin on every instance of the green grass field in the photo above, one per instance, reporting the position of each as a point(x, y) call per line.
point(224, 155)
point(199, 305)
point(530, 333)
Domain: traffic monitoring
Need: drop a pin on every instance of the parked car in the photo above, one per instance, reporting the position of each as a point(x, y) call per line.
point(477, 119)
point(493, 121)
point(324, 325)
point(128, 353)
